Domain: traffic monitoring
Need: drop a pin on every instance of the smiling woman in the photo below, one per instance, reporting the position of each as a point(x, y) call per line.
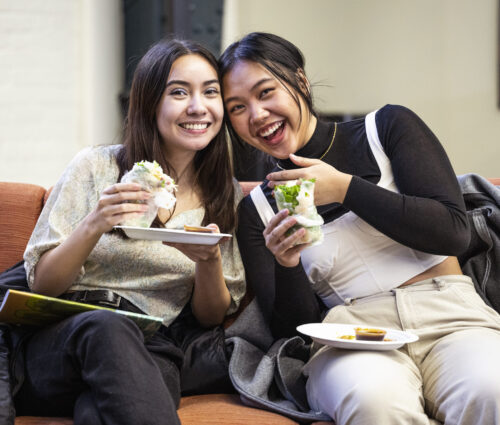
point(190, 111)
point(264, 111)
point(267, 107)
point(174, 124)
point(394, 223)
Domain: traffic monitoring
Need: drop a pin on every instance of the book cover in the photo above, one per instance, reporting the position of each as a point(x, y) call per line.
point(27, 308)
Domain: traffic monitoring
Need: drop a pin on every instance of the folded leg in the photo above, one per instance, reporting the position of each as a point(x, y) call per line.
point(101, 352)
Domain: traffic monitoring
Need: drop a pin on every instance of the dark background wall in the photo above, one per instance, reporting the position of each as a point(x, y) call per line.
point(147, 21)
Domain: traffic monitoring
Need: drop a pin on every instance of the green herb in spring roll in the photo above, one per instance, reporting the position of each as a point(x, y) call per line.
point(298, 199)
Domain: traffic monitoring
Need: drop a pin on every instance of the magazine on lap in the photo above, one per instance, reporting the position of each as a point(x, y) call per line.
point(27, 308)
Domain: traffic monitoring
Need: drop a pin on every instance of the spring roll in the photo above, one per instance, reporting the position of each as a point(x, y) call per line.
point(298, 199)
point(161, 186)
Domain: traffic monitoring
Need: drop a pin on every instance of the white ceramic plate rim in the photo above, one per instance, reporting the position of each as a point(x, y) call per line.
point(172, 235)
point(329, 333)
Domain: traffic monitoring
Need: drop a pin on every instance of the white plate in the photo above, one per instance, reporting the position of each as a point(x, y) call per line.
point(172, 235)
point(330, 333)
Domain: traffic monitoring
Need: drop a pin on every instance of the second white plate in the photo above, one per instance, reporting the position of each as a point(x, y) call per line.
point(330, 333)
point(172, 235)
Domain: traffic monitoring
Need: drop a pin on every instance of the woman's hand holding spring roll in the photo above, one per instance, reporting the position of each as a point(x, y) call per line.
point(115, 206)
point(331, 185)
point(281, 245)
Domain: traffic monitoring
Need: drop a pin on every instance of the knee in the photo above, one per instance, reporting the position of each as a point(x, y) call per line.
point(482, 399)
point(368, 402)
point(372, 403)
point(483, 385)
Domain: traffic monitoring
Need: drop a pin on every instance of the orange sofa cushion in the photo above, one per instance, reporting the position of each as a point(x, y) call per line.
point(213, 409)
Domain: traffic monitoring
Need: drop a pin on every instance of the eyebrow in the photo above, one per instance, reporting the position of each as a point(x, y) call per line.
point(256, 85)
point(185, 83)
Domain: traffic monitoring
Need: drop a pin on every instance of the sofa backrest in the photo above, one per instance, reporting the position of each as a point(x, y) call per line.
point(20, 206)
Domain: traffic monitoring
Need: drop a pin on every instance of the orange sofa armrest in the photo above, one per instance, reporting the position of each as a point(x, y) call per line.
point(19, 210)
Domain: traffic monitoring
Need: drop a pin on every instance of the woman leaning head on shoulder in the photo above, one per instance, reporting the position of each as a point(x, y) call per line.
point(269, 105)
point(267, 95)
point(395, 222)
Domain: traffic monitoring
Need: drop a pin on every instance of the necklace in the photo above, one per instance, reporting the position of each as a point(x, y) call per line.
point(331, 143)
point(324, 153)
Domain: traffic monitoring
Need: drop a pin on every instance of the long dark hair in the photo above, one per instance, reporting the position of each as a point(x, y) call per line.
point(280, 57)
point(142, 140)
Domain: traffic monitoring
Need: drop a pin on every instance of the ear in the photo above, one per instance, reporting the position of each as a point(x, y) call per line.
point(303, 82)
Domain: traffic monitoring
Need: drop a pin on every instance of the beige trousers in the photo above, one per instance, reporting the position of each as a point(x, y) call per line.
point(451, 375)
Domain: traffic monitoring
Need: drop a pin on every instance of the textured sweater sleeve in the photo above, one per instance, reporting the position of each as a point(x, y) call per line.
point(429, 212)
point(284, 294)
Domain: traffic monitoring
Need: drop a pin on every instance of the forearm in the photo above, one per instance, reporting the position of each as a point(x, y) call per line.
point(58, 268)
point(211, 298)
point(295, 303)
point(284, 294)
point(428, 213)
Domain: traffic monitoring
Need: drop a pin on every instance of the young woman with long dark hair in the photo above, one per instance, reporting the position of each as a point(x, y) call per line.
point(394, 223)
point(96, 366)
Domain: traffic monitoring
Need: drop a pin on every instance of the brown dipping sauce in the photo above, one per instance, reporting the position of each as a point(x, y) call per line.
point(369, 334)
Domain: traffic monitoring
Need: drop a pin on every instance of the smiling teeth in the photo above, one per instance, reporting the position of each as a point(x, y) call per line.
point(195, 126)
point(271, 129)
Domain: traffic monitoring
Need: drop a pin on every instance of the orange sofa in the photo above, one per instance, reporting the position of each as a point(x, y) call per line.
point(20, 206)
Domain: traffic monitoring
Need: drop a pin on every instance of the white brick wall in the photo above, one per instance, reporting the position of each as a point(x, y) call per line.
point(44, 102)
point(39, 88)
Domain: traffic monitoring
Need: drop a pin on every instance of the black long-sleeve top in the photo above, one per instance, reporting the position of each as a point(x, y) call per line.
point(428, 213)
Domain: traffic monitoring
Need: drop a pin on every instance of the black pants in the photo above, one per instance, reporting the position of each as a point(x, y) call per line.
point(97, 368)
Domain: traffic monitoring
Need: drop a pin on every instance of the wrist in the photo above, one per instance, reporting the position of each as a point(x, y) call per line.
point(287, 263)
point(90, 227)
point(213, 258)
point(344, 186)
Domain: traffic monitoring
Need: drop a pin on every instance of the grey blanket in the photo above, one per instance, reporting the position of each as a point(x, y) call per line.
point(268, 374)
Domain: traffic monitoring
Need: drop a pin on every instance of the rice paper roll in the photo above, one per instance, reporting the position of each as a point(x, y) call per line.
point(298, 198)
point(161, 186)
